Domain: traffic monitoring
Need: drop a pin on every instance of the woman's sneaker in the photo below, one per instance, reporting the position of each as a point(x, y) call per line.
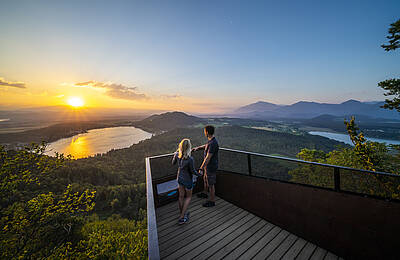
point(209, 204)
point(187, 214)
point(185, 219)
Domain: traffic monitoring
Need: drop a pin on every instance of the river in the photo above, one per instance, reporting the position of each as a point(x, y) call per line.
point(98, 141)
point(346, 139)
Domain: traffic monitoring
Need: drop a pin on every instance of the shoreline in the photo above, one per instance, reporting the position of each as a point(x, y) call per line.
point(56, 132)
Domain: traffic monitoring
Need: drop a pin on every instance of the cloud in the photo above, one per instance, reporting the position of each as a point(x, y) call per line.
point(113, 90)
point(174, 96)
point(3, 82)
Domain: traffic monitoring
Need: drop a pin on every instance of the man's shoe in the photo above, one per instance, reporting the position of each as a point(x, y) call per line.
point(202, 195)
point(209, 204)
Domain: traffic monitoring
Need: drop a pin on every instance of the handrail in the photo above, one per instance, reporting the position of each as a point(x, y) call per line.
point(307, 162)
point(153, 248)
point(160, 156)
point(292, 160)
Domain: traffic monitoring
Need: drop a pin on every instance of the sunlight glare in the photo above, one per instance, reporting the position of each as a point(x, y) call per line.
point(75, 102)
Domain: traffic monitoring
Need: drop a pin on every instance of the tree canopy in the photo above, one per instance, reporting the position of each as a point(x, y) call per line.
point(392, 86)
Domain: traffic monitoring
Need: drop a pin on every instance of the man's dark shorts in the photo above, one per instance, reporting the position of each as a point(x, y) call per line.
point(212, 178)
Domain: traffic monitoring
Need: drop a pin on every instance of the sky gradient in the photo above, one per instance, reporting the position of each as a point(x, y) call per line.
point(195, 56)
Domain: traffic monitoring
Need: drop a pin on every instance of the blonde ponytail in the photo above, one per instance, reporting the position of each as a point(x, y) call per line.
point(185, 149)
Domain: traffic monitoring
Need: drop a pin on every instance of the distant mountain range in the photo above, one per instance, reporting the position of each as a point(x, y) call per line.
point(307, 110)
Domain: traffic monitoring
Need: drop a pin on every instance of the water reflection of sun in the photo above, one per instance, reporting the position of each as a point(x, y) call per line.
point(79, 147)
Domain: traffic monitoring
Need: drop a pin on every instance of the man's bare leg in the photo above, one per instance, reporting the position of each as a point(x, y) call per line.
point(212, 193)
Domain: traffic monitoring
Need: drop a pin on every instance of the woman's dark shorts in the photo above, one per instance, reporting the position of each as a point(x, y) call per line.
point(187, 184)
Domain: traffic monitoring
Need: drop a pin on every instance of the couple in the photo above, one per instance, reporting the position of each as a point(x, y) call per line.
point(186, 170)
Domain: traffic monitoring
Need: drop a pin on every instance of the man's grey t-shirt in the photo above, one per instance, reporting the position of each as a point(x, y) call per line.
point(212, 147)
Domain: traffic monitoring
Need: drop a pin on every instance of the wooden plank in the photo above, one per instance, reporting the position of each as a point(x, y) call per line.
point(208, 234)
point(307, 251)
point(319, 253)
point(295, 249)
point(226, 231)
point(196, 222)
point(196, 231)
point(167, 208)
point(238, 240)
point(249, 242)
point(330, 256)
point(201, 214)
point(254, 249)
point(217, 237)
point(194, 208)
point(173, 206)
point(272, 245)
point(221, 245)
point(283, 247)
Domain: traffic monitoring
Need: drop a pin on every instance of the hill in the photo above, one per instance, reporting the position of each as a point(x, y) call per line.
point(307, 110)
point(259, 106)
point(168, 121)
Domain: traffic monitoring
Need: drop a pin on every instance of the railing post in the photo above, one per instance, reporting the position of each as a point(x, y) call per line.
point(249, 164)
point(152, 235)
point(336, 175)
point(155, 195)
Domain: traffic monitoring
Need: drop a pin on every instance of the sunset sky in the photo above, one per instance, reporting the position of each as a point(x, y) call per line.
point(203, 56)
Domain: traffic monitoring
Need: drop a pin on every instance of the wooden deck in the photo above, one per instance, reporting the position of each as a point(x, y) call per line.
point(228, 232)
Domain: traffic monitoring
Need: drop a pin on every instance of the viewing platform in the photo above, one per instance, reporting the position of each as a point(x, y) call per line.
point(271, 207)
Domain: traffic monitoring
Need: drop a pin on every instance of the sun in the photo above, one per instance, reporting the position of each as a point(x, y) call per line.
point(75, 102)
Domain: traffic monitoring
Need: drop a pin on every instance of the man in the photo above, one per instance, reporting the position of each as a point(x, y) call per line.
point(209, 165)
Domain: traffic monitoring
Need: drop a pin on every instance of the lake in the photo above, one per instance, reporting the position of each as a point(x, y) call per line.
point(346, 139)
point(98, 141)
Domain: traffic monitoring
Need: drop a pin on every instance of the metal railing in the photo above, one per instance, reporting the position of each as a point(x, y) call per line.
point(316, 175)
point(153, 249)
point(338, 178)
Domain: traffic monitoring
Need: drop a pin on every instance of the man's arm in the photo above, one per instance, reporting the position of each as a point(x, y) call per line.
point(206, 161)
point(201, 147)
point(174, 160)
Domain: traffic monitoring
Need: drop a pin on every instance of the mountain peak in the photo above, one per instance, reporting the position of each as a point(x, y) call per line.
point(351, 101)
point(258, 106)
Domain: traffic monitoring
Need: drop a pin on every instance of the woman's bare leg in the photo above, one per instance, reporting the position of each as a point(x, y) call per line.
point(186, 202)
point(181, 197)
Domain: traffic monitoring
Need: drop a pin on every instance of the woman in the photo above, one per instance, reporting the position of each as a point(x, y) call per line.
point(185, 177)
